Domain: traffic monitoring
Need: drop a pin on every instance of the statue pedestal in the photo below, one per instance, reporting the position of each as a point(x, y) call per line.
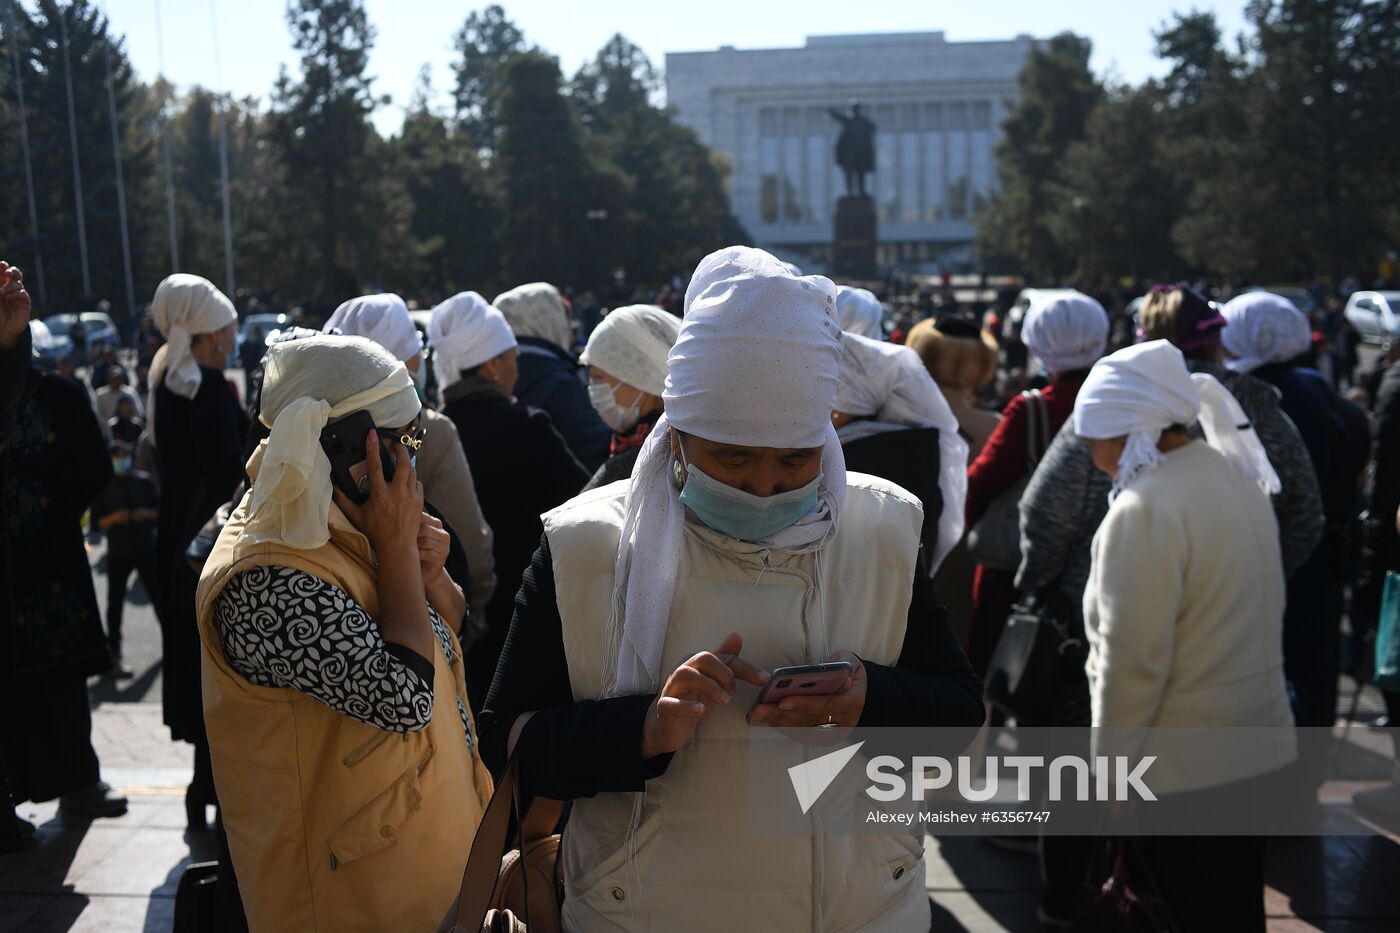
point(853, 253)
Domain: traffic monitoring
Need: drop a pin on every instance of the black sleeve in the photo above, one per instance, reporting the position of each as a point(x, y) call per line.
point(932, 684)
point(568, 749)
point(80, 445)
point(560, 471)
point(14, 367)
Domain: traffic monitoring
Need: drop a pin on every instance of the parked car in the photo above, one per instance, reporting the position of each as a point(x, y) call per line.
point(101, 330)
point(1375, 316)
point(61, 328)
point(266, 323)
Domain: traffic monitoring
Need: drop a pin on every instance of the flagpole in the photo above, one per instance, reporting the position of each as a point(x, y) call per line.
point(77, 169)
point(117, 161)
point(223, 153)
point(24, 149)
point(165, 150)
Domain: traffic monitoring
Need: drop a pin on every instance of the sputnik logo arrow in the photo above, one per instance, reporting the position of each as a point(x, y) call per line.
point(811, 778)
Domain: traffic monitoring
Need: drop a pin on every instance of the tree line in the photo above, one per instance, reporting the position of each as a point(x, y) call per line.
point(524, 175)
point(1274, 157)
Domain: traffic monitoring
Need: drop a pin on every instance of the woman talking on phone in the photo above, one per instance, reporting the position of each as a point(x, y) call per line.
point(344, 754)
point(654, 610)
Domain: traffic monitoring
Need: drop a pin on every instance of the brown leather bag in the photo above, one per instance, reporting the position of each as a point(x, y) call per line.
point(525, 887)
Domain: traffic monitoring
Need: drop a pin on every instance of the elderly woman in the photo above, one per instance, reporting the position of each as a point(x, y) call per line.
point(1067, 333)
point(626, 360)
point(858, 311)
point(894, 423)
point(1067, 498)
point(441, 464)
point(549, 374)
point(1184, 606)
point(652, 610)
point(197, 427)
point(522, 466)
point(344, 752)
point(1264, 336)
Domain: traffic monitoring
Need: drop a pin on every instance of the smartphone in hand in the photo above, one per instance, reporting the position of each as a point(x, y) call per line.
point(343, 440)
point(805, 680)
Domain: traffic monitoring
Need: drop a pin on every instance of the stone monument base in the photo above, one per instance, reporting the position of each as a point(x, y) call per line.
point(853, 255)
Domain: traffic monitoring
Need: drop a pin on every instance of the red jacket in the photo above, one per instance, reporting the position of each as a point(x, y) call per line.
point(1004, 458)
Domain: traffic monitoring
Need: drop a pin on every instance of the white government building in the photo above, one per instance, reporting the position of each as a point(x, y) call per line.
point(937, 108)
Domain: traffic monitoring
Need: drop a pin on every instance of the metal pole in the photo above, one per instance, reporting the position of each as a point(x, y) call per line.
point(73, 144)
point(223, 154)
point(121, 181)
point(165, 152)
point(24, 149)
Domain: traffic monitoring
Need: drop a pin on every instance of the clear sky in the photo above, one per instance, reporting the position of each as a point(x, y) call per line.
point(254, 41)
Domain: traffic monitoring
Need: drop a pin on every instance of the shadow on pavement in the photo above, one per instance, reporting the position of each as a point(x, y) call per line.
point(33, 885)
point(123, 691)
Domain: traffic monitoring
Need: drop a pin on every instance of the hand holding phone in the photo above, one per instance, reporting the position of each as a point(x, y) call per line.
point(343, 440)
point(828, 694)
point(392, 513)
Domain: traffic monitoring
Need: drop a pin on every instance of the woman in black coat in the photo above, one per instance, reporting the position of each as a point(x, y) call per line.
point(198, 430)
point(521, 464)
point(51, 638)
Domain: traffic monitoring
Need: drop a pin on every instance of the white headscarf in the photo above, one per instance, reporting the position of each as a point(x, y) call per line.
point(465, 332)
point(1140, 391)
point(382, 318)
point(185, 306)
point(890, 382)
point(1263, 328)
point(859, 312)
point(1066, 331)
point(632, 343)
point(537, 310)
point(755, 364)
point(307, 384)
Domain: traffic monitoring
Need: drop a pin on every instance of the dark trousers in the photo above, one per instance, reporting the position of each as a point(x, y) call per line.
point(1210, 882)
point(46, 736)
point(119, 568)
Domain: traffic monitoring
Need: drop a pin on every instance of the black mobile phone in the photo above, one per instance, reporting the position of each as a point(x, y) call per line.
point(343, 440)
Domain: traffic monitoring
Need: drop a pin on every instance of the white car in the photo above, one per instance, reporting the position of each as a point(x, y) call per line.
point(1375, 316)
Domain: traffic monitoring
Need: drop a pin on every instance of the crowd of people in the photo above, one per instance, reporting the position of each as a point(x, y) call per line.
point(576, 544)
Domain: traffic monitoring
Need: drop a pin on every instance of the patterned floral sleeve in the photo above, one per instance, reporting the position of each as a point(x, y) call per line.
point(282, 627)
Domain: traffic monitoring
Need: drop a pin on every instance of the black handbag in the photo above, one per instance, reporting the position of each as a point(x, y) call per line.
point(196, 908)
point(1122, 895)
point(1034, 658)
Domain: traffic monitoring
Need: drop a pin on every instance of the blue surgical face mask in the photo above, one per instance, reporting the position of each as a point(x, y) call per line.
point(740, 514)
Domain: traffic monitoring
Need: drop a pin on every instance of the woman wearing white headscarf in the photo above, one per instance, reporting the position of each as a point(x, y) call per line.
point(653, 610)
point(1184, 607)
point(521, 465)
point(1264, 336)
point(441, 464)
point(894, 423)
point(549, 375)
point(859, 312)
point(325, 633)
point(626, 360)
point(197, 427)
point(1067, 332)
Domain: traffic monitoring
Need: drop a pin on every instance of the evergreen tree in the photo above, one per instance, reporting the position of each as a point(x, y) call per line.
point(322, 131)
point(560, 213)
point(486, 42)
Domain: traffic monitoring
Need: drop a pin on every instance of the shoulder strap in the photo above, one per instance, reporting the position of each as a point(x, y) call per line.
point(1037, 427)
point(484, 862)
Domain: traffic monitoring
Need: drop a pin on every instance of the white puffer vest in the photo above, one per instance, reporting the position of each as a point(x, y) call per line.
point(696, 863)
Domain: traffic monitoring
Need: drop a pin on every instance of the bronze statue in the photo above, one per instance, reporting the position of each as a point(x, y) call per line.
point(855, 148)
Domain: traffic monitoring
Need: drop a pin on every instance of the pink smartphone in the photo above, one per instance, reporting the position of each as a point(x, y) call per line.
point(805, 680)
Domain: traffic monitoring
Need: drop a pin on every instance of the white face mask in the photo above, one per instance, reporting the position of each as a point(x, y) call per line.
point(604, 398)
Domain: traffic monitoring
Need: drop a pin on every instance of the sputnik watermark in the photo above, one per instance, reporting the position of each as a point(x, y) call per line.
point(1117, 777)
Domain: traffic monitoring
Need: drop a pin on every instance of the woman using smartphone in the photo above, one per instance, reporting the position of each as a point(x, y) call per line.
point(343, 749)
point(654, 611)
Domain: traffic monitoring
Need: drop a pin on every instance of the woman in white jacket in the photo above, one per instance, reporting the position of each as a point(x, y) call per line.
point(1184, 610)
point(653, 611)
